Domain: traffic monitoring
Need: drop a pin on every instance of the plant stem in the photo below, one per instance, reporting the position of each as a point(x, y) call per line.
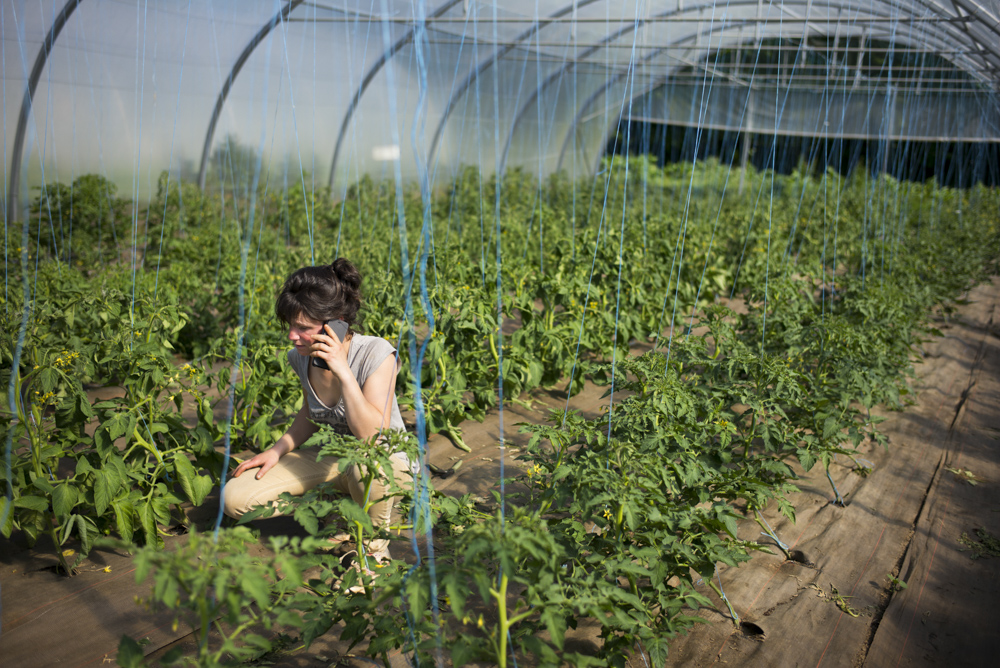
point(732, 612)
point(49, 521)
point(501, 597)
point(767, 530)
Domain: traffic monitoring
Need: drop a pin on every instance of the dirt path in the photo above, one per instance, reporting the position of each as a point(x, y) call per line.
point(906, 517)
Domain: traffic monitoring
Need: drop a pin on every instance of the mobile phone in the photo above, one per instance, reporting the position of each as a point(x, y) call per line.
point(339, 328)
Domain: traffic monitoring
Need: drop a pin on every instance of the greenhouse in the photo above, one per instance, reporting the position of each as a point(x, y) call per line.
point(533, 333)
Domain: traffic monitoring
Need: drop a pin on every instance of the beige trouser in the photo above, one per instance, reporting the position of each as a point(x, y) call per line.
point(296, 473)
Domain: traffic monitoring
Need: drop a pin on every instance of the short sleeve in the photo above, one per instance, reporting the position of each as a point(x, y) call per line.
point(377, 351)
point(295, 361)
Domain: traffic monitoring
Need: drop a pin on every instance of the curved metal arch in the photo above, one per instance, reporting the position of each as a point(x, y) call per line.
point(556, 75)
point(369, 76)
point(623, 73)
point(950, 29)
point(982, 19)
point(228, 84)
point(618, 76)
point(956, 30)
point(13, 198)
point(487, 62)
point(587, 52)
point(961, 33)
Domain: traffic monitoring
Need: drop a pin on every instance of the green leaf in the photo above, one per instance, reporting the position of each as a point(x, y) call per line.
point(806, 459)
point(6, 517)
point(102, 491)
point(48, 378)
point(830, 427)
point(464, 652)
point(658, 651)
point(730, 522)
point(130, 654)
point(186, 475)
point(306, 516)
point(88, 531)
point(83, 466)
point(124, 518)
point(258, 641)
point(118, 474)
point(64, 497)
point(148, 520)
point(556, 625)
point(38, 503)
point(161, 509)
point(103, 442)
point(42, 485)
point(117, 424)
point(352, 512)
point(202, 486)
point(256, 587)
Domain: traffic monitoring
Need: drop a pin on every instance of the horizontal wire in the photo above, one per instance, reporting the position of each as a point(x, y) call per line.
point(653, 19)
point(958, 83)
point(769, 131)
point(762, 48)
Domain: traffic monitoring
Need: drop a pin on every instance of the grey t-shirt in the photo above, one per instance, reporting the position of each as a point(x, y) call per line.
point(365, 355)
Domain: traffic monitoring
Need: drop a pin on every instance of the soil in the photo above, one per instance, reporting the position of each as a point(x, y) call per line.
point(913, 517)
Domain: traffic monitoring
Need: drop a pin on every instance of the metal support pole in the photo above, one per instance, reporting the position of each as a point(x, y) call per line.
point(224, 93)
point(13, 199)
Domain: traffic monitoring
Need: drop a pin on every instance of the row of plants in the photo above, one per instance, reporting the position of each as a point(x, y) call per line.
point(613, 514)
point(611, 523)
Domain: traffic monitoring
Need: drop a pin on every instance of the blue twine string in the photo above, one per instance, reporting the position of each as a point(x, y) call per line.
point(310, 210)
point(3, 88)
point(140, 99)
point(627, 93)
point(722, 199)
point(170, 159)
point(416, 134)
point(245, 241)
point(706, 92)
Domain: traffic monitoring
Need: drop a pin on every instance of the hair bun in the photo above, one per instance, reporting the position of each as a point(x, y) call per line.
point(347, 273)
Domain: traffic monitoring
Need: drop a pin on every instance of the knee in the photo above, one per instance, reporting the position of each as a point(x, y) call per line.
point(237, 497)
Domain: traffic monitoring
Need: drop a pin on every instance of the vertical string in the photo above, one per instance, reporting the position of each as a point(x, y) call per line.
point(170, 159)
point(246, 238)
point(422, 504)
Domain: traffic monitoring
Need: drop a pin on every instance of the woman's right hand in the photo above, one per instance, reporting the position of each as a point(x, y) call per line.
point(265, 461)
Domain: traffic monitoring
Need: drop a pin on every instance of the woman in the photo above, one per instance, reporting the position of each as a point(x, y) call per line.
point(355, 395)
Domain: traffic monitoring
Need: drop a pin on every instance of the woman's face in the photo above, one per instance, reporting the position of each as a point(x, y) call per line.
point(301, 332)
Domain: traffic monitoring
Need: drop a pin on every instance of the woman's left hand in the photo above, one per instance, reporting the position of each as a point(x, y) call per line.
point(327, 347)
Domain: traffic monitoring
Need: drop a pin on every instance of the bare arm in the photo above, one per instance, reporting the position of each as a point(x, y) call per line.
point(298, 433)
point(368, 408)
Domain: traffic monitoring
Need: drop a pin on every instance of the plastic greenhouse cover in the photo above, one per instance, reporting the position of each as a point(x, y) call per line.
point(129, 88)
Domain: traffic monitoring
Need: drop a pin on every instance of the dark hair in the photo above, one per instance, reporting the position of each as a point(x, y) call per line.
point(331, 292)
